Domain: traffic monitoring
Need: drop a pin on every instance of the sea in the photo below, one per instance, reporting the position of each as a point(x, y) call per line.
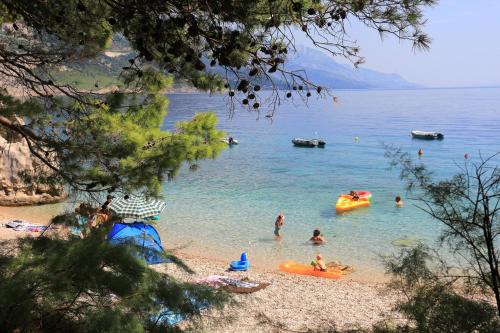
point(229, 204)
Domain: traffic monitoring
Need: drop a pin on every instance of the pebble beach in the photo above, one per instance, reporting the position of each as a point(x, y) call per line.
point(290, 303)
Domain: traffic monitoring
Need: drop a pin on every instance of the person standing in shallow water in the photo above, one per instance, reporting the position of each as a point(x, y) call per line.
point(399, 202)
point(280, 221)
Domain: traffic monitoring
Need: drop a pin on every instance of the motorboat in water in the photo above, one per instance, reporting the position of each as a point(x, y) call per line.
point(304, 143)
point(427, 135)
point(311, 143)
point(230, 141)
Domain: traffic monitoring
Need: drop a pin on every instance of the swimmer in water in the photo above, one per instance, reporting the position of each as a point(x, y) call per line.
point(399, 202)
point(317, 238)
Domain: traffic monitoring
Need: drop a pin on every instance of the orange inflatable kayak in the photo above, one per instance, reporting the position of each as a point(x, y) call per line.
point(296, 268)
point(345, 202)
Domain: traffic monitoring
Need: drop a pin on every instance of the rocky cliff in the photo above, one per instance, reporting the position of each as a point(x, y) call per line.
point(16, 160)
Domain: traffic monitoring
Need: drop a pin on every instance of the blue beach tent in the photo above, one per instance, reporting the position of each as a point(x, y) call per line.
point(142, 236)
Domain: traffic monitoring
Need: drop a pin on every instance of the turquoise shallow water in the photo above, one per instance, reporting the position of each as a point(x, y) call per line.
point(229, 204)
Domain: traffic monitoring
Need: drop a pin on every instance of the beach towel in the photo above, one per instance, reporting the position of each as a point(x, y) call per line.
point(169, 317)
point(246, 290)
point(240, 286)
point(214, 281)
point(19, 225)
point(337, 266)
point(239, 283)
point(14, 223)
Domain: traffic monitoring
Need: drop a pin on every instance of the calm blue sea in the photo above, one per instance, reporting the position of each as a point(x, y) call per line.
point(229, 204)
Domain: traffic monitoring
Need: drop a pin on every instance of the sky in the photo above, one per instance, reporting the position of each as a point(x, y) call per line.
point(465, 49)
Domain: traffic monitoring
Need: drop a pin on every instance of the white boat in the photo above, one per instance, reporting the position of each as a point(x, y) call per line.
point(427, 135)
point(230, 141)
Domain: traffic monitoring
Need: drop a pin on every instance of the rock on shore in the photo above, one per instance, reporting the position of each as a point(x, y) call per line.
point(15, 159)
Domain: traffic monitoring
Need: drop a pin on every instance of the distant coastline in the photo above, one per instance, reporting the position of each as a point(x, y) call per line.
point(191, 90)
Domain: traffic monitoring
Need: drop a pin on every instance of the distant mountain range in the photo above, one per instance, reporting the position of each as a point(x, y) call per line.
point(319, 67)
point(323, 70)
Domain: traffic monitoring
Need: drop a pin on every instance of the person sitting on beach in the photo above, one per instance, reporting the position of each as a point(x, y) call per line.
point(103, 214)
point(85, 209)
point(104, 207)
point(319, 264)
point(354, 195)
point(399, 202)
point(280, 220)
point(317, 238)
point(86, 215)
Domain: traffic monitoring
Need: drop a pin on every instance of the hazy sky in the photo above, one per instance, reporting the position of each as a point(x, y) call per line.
point(465, 48)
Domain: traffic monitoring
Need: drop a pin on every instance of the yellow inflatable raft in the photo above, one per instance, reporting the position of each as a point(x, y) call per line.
point(346, 202)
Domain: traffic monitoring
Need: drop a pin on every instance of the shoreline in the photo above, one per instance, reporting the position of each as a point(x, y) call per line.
point(209, 252)
point(290, 302)
point(185, 249)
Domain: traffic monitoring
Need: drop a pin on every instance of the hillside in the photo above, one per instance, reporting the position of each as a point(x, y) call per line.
point(323, 70)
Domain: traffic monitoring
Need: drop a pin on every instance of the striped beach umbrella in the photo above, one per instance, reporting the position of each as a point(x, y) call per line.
point(137, 207)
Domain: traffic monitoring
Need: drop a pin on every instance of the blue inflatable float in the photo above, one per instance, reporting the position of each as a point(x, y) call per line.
point(240, 265)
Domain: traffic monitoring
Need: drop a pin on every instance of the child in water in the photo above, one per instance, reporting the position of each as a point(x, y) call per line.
point(280, 220)
point(319, 264)
point(399, 202)
point(317, 238)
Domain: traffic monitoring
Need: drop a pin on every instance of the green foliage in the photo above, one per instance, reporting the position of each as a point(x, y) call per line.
point(77, 22)
point(431, 301)
point(91, 142)
point(113, 142)
point(105, 142)
point(12, 106)
point(438, 309)
point(250, 39)
point(467, 206)
point(116, 144)
point(409, 267)
point(87, 285)
point(127, 150)
point(87, 79)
